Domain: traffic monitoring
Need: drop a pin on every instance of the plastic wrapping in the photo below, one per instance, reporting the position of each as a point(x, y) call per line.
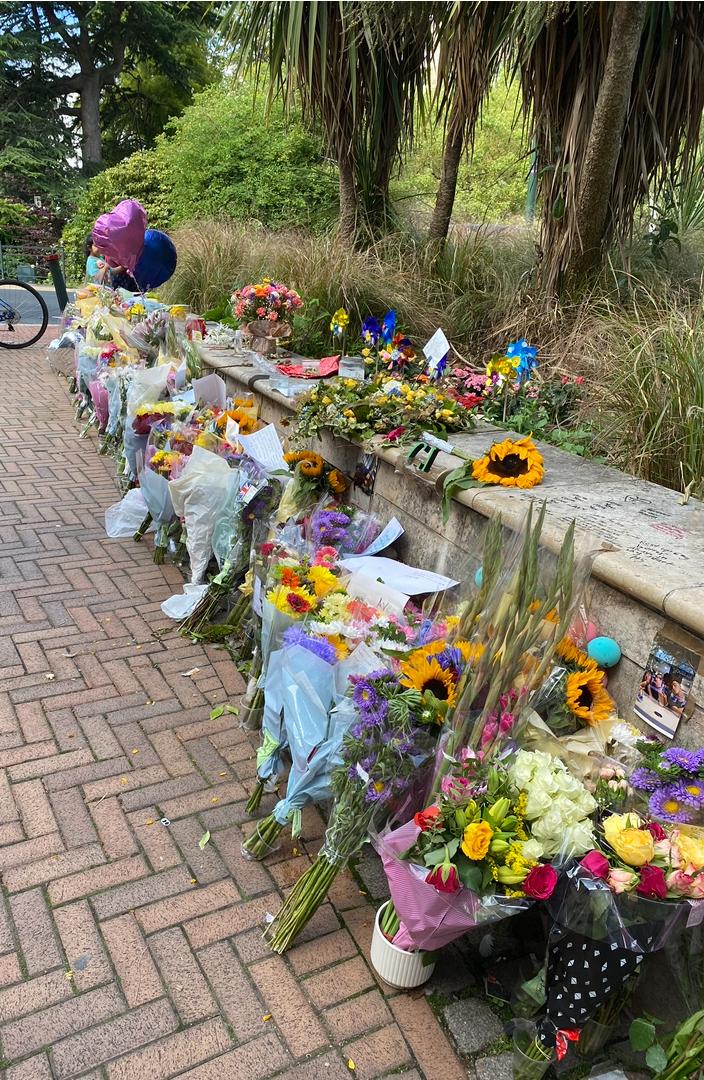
point(429, 918)
point(99, 396)
point(123, 518)
point(157, 496)
point(197, 496)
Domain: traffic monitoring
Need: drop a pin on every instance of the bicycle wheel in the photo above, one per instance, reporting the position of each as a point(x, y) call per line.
point(23, 315)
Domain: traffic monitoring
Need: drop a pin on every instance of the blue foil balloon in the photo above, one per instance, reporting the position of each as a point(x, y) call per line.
point(479, 577)
point(605, 651)
point(157, 262)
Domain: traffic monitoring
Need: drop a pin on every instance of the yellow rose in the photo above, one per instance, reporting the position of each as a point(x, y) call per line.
point(692, 850)
point(616, 823)
point(476, 840)
point(634, 846)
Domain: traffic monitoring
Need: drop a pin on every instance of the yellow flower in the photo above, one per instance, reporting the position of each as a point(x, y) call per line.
point(633, 845)
point(423, 673)
point(311, 467)
point(322, 580)
point(692, 850)
point(339, 644)
point(568, 651)
point(511, 463)
point(476, 840)
point(337, 482)
point(586, 697)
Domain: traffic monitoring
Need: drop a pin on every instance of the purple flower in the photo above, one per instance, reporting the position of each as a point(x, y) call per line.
point(317, 645)
point(689, 760)
point(450, 659)
point(644, 780)
point(671, 803)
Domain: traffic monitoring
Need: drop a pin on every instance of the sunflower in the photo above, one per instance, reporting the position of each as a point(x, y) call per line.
point(572, 654)
point(337, 482)
point(586, 697)
point(511, 463)
point(312, 466)
point(423, 673)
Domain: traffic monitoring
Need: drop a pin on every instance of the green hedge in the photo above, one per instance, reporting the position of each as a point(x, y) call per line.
point(220, 158)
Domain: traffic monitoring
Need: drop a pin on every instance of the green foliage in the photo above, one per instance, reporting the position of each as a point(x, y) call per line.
point(141, 176)
point(13, 217)
point(224, 157)
point(492, 183)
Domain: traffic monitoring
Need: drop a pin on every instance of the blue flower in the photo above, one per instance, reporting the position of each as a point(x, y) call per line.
point(317, 645)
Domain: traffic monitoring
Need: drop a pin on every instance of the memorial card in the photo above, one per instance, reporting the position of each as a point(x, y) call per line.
point(665, 686)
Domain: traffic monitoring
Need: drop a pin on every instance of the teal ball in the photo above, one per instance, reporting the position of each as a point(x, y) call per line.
point(605, 651)
point(479, 577)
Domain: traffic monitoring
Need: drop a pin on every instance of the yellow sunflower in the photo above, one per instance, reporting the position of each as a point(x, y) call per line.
point(337, 482)
point(586, 697)
point(572, 654)
point(423, 673)
point(311, 466)
point(511, 463)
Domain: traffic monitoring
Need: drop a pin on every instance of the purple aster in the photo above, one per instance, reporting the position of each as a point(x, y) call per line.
point(686, 759)
point(668, 804)
point(694, 788)
point(644, 780)
point(317, 645)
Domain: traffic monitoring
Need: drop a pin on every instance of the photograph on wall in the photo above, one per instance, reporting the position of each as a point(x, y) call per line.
point(665, 686)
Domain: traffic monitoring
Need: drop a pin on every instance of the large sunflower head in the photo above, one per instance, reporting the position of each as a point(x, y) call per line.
point(511, 463)
point(423, 673)
point(337, 482)
point(586, 697)
point(312, 466)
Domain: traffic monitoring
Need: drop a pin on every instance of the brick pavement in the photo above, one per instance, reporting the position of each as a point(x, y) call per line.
point(125, 950)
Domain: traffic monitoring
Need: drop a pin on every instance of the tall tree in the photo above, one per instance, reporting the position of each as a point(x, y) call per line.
point(359, 68)
point(472, 49)
point(74, 52)
point(614, 94)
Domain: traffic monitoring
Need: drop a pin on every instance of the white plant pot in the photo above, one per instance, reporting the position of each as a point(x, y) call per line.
point(401, 969)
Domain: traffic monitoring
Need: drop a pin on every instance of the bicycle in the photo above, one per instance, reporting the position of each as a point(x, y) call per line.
point(23, 315)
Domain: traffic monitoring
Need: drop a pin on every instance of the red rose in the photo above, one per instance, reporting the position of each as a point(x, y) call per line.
point(425, 819)
point(540, 883)
point(656, 831)
point(652, 882)
point(444, 878)
point(597, 864)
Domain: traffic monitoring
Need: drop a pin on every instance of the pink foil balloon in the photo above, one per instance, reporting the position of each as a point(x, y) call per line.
point(120, 234)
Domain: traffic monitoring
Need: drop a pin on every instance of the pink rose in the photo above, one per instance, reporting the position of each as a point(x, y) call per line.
point(621, 880)
point(445, 879)
point(540, 883)
point(668, 851)
point(652, 882)
point(597, 864)
point(680, 882)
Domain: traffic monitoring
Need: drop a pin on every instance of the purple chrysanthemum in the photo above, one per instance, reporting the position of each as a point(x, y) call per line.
point(317, 645)
point(668, 803)
point(644, 780)
point(685, 759)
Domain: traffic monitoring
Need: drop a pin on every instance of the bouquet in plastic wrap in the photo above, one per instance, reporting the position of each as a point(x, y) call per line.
point(381, 752)
point(623, 901)
point(482, 850)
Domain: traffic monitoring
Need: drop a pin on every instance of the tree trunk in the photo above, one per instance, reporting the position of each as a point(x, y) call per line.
point(445, 198)
point(347, 227)
point(91, 136)
point(603, 148)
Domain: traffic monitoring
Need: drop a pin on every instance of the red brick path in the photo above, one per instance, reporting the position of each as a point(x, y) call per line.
point(126, 951)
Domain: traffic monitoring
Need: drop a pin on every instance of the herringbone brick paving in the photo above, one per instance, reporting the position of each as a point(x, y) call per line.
point(125, 950)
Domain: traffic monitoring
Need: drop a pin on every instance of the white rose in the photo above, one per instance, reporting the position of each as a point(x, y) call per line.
point(532, 849)
point(578, 838)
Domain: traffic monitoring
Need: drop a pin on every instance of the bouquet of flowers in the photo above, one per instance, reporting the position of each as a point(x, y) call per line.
point(381, 752)
point(574, 696)
point(268, 299)
point(312, 479)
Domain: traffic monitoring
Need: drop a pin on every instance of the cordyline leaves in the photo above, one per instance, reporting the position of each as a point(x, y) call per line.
point(559, 51)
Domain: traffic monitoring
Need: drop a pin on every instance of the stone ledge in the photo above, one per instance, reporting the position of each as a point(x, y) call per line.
point(649, 545)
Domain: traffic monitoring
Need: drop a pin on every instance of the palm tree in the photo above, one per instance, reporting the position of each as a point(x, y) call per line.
point(359, 68)
point(614, 94)
point(472, 50)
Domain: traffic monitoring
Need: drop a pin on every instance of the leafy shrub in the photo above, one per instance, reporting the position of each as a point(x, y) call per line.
point(221, 157)
point(225, 157)
point(14, 217)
